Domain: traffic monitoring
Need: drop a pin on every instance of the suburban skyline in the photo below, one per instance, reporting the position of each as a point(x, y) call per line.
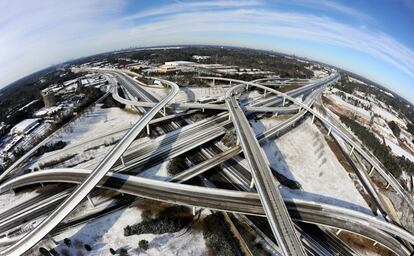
point(374, 41)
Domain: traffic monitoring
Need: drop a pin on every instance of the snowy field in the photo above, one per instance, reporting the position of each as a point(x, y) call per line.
point(92, 130)
point(399, 151)
point(96, 123)
point(349, 106)
point(303, 155)
point(190, 94)
point(107, 232)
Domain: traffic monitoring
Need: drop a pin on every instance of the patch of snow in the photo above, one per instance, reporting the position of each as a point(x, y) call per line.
point(304, 155)
point(97, 122)
point(107, 232)
point(341, 102)
point(399, 151)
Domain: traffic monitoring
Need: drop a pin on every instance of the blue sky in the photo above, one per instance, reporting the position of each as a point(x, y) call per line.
point(371, 38)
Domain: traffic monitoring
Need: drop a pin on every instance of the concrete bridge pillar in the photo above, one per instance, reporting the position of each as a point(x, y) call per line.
point(90, 201)
point(122, 160)
point(372, 170)
point(252, 183)
point(352, 151)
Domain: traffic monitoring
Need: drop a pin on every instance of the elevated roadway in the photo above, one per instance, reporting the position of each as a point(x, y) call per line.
point(266, 185)
point(355, 145)
point(90, 182)
point(352, 220)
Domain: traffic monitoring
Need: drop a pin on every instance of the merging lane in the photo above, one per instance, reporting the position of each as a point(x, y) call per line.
point(266, 185)
point(90, 182)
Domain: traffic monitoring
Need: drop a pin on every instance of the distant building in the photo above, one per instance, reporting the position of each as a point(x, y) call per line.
point(198, 57)
point(48, 97)
point(179, 63)
point(166, 69)
point(25, 126)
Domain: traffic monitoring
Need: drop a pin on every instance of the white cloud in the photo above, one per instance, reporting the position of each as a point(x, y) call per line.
point(34, 35)
point(322, 30)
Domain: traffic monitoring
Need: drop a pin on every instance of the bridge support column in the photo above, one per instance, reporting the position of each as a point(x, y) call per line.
point(338, 232)
point(252, 183)
point(388, 185)
point(194, 210)
point(238, 141)
point(375, 243)
point(352, 151)
point(277, 113)
point(247, 87)
point(148, 129)
point(230, 83)
point(372, 170)
point(90, 201)
point(202, 110)
point(163, 109)
point(122, 160)
point(265, 92)
point(214, 82)
point(284, 101)
point(313, 119)
point(329, 131)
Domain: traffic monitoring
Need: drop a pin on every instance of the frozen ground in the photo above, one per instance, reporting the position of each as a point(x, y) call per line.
point(303, 155)
point(399, 151)
point(107, 232)
point(91, 131)
point(191, 94)
point(345, 104)
point(8, 200)
point(388, 116)
point(97, 122)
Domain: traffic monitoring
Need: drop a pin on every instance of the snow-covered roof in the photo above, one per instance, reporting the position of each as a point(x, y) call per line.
point(179, 63)
point(25, 124)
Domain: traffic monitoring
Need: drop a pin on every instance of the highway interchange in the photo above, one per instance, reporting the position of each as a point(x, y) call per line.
point(118, 169)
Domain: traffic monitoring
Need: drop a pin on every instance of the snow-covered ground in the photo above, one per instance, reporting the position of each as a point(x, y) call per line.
point(97, 122)
point(190, 94)
point(303, 155)
point(92, 130)
point(8, 200)
point(387, 115)
point(355, 80)
point(349, 106)
point(399, 151)
point(107, 232)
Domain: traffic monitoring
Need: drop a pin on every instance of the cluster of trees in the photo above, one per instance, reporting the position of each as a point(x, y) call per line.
point(230, 138)
point(246, 58)
point(219, 239)
point(22, 92)
point(393, 163)
point(396, 102)
point(170, 220)
point(49, 147)
point(410, 129)
point(395, 128)
point(176, 165)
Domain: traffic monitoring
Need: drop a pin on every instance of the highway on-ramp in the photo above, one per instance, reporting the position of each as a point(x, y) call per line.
point(90, 182)
point(266, 185)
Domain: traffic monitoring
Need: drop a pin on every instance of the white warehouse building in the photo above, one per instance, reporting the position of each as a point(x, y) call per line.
point(25, 126)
